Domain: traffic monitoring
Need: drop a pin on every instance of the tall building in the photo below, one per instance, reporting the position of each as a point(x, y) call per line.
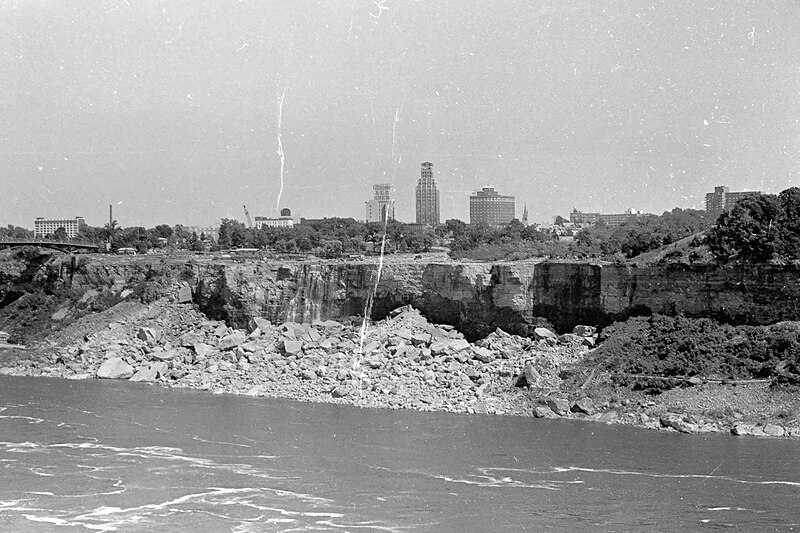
point(525, 215)
point(491, 208)
point(427, 197)
point(381, 207)
point(43, 227)
point(722, 199)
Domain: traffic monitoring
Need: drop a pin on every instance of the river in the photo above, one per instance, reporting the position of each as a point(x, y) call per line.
point(116, 456)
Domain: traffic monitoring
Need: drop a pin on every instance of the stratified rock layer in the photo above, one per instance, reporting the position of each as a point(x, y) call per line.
point(476, 298)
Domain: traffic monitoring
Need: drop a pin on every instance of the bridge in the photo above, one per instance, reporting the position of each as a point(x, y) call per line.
point(71, 247)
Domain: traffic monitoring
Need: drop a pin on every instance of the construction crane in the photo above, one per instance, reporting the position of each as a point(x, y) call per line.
point(247, 214)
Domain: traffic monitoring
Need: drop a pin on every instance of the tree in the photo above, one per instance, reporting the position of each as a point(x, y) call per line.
point(789, 223)
point(15, 232)
point(232, 234)
point(60, 234)
point(748, 232)
point(455, 227)
point(164, 231)
point(111, 229)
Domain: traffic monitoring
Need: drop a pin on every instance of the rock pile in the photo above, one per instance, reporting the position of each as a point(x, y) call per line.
point(403, 361)
point(400, 362)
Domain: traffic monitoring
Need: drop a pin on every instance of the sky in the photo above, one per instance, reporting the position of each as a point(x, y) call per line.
point(182, 111)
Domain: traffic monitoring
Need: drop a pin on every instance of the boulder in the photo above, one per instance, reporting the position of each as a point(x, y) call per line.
point(114, 368)
point(748, 429)
point(677, 422)
point(421, 338)
point(258, 322)
point(372, 346)
point(589, 341)
point(165, 355)
point(774, 430)
point(327, 343)
point(312, 335)
point(149, 335)
point(187, 340)
point(530, 377)
point(308, 375)
point(584, 331)
point(569, 338)
point(449, 346)
point(184, 294)
point(231, 341)
point(609, 417)
point(559, 406)
point(471, 373)
point(256, 390)
point(201, 349)
point(484, 355)
point(288, 330)
point(480, 408)
point(291, 347)
point(145, 373)
point(585, 406)
point(400, 310)
point(544, 333)
point(542, 411)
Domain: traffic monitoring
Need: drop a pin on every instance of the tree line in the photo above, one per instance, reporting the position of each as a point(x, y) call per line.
point(516, 241)
point(329, 237)
point(759, 228)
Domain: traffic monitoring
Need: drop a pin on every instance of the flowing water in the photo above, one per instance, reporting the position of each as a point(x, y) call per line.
point(116, 456)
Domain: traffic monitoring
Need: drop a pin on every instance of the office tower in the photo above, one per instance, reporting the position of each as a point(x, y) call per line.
point(427, 197)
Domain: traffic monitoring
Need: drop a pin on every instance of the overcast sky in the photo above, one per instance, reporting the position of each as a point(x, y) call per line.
point(169, 109)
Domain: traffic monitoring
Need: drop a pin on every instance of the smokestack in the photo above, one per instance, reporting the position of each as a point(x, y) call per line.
point(110, 214)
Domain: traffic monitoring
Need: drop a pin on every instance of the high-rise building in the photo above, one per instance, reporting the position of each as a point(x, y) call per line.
point(722, 199)
point(525, 214)
point(427, 197)
point(43, 227)
point(381, 207)
point(486, 206)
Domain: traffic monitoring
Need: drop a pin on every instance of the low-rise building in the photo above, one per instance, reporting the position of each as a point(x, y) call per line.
point(284, 221)
point(609, 219)
point(42, 227)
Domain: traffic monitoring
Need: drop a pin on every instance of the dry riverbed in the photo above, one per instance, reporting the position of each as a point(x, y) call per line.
point(402, 362)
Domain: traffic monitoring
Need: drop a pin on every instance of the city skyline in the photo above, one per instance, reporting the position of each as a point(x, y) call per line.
point(181, 113)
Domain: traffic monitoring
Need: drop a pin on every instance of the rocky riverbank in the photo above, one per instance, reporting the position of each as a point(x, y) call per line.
point(402, 361)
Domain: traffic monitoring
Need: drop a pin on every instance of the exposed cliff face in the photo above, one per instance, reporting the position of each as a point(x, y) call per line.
point(474, 297)
point(477, 298)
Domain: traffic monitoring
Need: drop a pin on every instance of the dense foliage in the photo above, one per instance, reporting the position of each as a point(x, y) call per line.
point(15, 232)
point(684, 347)
point(641, 234)
point(759, 229)
point(330, 237)
point(516, 241)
